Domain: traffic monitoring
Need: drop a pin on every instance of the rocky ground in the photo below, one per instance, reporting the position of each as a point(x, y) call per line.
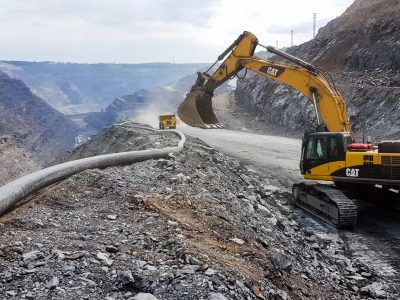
point(121, 137)
point(198, 225)
point(15, 161)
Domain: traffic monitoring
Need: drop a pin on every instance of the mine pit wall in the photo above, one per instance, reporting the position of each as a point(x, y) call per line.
point(378, 107)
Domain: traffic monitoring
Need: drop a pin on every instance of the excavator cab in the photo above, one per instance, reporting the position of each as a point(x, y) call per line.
point(320, 148)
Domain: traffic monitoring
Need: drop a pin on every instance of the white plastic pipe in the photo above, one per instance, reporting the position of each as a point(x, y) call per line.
point(17, 190)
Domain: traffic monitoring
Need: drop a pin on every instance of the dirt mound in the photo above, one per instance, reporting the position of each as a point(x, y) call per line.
point(121, 137)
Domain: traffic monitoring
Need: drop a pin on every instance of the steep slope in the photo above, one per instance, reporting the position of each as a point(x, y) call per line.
point(362, 50)
point(78, 88)
point(365, 37)
point(15, 160)
point(28, 125)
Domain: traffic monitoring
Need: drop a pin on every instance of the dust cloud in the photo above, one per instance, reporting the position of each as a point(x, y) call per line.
point(161, 101)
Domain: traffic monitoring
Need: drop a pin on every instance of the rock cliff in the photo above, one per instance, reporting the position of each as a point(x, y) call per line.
point(29, 126)
point(361, 49)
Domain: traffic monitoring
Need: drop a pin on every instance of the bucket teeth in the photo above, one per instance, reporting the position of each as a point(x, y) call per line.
point(196, 110)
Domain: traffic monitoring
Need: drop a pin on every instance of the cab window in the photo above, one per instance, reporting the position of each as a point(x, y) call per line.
point(336, 150)
point(333, 149)
point(316, 148)
point(347, 141)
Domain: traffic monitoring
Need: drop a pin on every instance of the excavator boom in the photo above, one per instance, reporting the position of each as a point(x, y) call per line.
point(330, 106)
point(196, 110)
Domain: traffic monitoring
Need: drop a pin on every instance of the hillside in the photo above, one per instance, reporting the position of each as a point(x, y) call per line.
point(78, 88)
point(32, 133)
point(143, 105)
point(146, 105)
point(361, 49)
point(15, 160)
point(365, 37)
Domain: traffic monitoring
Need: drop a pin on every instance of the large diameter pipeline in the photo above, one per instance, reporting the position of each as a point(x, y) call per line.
point(17, 190)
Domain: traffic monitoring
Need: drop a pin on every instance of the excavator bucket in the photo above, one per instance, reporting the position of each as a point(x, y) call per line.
point(196, 110)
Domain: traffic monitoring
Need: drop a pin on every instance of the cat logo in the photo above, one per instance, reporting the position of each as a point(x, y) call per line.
point(352, 172)
point(272, 71)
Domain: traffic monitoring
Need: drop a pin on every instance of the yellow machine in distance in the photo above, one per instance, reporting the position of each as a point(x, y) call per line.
point(167, 121)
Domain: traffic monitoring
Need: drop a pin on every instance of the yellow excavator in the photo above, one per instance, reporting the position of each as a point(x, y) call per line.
point(328, 154)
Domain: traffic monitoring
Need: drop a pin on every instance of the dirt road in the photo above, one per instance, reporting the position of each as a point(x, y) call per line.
point(276, 156)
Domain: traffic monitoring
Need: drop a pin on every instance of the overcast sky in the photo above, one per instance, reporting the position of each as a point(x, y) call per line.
point(137, 31)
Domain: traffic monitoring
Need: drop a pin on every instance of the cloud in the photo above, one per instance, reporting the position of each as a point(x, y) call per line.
point(118, 12)
point(341, 3)
point(145, 31)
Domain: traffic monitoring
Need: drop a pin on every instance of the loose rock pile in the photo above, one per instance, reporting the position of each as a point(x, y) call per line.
point(195, 226)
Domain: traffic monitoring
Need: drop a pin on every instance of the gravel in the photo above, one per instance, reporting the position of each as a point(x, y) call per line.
point(218, 231)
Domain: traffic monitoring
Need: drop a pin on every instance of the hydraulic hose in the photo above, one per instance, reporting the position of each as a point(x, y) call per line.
point(17, 190)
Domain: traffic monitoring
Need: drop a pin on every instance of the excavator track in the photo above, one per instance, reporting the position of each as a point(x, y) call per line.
point(326, 202)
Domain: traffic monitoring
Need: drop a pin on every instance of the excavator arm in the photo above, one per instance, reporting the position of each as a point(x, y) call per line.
point(196, 110)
